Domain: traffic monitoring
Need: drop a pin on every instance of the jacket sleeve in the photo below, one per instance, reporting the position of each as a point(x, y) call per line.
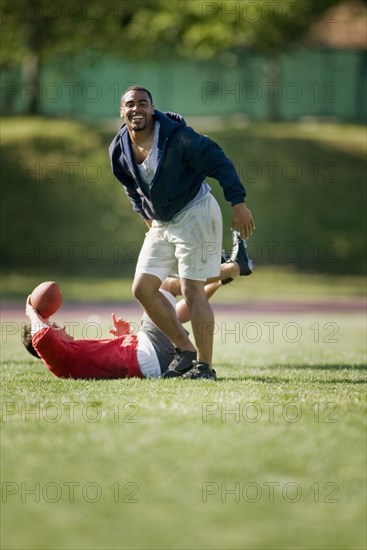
point(206, 157)
point(126, 180)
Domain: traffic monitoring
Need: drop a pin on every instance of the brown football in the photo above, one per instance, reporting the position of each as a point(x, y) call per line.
point(46, 298)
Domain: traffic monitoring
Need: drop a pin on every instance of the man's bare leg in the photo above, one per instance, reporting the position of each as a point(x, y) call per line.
point(146, 290)
point(182, 309)
point(202, 318)
point(194, 306)
point(227, 271)
point(173, 285)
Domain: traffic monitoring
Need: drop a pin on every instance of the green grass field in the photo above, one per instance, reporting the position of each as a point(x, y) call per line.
point(271, 456)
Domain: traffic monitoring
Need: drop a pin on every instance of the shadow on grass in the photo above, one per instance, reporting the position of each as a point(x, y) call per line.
point(276, 379)
point(358, 366)
point(39, 373)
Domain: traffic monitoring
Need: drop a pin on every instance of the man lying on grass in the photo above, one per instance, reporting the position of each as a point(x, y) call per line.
point(146, 354)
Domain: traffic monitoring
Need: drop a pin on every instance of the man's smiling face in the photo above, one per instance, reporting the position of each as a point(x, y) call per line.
point(137, 110)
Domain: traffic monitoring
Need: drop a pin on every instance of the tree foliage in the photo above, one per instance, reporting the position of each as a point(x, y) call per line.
point(36, 30)
point(206, 29)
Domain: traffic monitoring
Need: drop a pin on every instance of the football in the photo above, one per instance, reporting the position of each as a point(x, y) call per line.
point(46, 298)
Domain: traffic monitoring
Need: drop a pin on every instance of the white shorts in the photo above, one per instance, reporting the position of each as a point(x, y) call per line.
point(188, 246)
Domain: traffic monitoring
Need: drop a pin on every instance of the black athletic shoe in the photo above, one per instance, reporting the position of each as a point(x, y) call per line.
point(183, 362)
point(201, 371)
point(239, 254)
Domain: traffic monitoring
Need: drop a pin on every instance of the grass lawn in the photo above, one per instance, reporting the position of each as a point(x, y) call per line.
point(270, 456)
point(273, 454)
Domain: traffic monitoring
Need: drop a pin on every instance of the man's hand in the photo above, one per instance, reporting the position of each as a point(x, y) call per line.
point(29, 309)
point(242, 220)
point(120, 327)
point(34, 316)
point(33, 313)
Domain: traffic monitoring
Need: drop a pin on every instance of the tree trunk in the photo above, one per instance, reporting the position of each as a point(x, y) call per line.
point(32, 62)
point(31, 76)
point(272, 71)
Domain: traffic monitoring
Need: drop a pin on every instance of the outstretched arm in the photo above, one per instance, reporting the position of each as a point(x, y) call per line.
point(38, 323)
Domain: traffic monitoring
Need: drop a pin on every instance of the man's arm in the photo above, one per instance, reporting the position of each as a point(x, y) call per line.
point(207, 157)
point(130, 189)
point(38, 323)
point(242, 220)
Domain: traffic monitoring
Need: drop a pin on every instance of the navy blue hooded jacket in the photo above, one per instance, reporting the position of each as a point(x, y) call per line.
point(185, 158)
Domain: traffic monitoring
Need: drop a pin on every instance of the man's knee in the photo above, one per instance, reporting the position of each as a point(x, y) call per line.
point(136, 290)
point(145, 287)
point(193, 291)
point(141, 292)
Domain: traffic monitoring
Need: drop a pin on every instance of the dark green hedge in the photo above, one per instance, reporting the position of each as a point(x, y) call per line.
point(62, 208)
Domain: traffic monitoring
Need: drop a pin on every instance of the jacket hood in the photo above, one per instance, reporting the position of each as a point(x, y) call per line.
point(172, 116)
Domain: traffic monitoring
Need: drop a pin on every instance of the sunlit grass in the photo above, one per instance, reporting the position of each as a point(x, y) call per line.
point(278, 440)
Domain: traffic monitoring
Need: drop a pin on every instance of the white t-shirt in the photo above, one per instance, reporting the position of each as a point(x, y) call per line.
point(146, 354)
point(148, 167)
point(147, 357)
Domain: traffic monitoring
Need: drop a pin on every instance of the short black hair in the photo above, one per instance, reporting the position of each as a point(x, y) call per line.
point(139, 89)
point(27, 341)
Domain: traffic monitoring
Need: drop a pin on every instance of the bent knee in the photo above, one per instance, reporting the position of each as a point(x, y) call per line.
point(139, 291)
point(145, 287)
point(193, 291)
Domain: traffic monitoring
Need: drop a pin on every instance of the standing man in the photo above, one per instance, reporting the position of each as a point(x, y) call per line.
point(162, 164)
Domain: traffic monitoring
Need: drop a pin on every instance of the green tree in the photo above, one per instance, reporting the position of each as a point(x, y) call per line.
point(35, 30)
point(225, 30)
point(205, 29)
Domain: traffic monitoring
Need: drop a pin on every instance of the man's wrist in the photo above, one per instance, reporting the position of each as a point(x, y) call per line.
point(37, 325)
